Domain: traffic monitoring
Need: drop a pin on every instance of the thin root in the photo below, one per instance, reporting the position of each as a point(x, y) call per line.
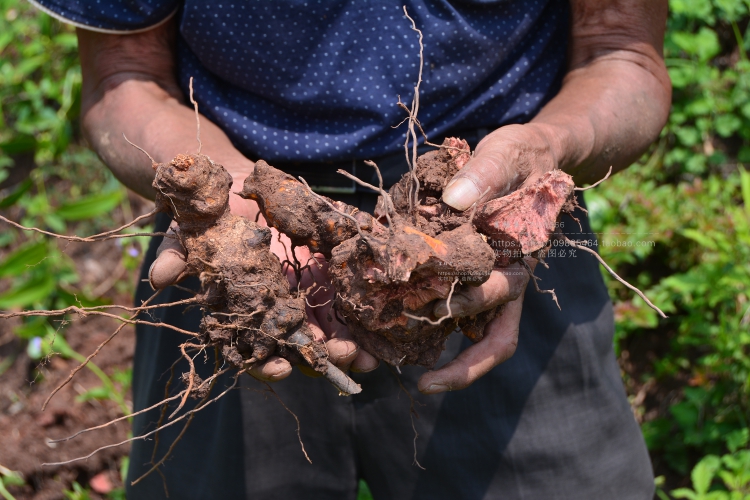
point(197, 117)
point(535, 279)
point(87, 239)
point(153, 162)
point(412, 414)
point(609, 172)
point(614, 274)
point(436, 322)
point(151, 433)
point(299, 436)
point(91, 356)
point(330, 205)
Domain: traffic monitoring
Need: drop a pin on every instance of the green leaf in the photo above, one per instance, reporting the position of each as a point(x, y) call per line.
point(61, 346)
point(703, 473)
point(28, 293)
point(19, 261)
point(55, 222)
point(34, 327)
point(701, 238)
point(704, 44)
point(688, 136)
point(696, 9)
point(21, 143)
point(684, 493)
point(726, 125)
point(65, 299)
point(90, 206)
point(124, 466)
point(100, 392)
point(16, 195)
point(686, 415)
point(738, 439)
point(745, 186)
point(733, 9)
point(27, 66)
point(681, 77)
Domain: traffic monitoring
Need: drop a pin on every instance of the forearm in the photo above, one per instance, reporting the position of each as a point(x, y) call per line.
point(150, 110)
point(606, 114)
point(616, 96)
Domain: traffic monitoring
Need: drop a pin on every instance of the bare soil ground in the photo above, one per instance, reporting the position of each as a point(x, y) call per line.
point(25, 431)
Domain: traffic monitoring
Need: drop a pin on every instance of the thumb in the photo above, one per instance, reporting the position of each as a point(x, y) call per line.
point(170, 265)
point(502, 161)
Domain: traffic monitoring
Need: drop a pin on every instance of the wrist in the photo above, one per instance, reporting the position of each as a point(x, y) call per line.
point(568, 146)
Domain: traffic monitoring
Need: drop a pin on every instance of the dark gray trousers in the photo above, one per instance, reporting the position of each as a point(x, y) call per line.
point(553, 422)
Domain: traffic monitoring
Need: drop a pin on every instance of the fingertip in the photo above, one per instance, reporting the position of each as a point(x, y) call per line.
point(275, 368)
point(461, 194)
point(364, 362)
point(454, 376)
point(167, 269)
point(341, 352)
point(428, 384)
point(440, 309)
point(457, 308)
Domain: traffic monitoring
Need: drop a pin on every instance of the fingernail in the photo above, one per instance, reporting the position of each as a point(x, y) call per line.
point(349, 353)
point(435, 388)
point(461, 194)
point(151, 276)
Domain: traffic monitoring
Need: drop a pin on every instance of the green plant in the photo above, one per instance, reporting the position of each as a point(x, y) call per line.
point(732, 469)
point(363, 491)
point(66, 189)
point(77, 493)
point(9, 478)
point(680, 219)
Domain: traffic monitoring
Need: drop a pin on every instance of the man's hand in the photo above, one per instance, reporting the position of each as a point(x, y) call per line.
point(171, 264)
point(505, 286)
point(614, 102)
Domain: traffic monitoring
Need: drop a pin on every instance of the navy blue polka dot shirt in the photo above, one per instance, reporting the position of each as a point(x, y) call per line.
point(318, 80)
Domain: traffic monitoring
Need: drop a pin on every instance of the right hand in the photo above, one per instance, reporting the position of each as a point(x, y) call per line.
point(171, 264)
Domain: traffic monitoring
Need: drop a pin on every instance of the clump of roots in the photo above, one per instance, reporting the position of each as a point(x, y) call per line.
point(388, 269)
point(253, 313)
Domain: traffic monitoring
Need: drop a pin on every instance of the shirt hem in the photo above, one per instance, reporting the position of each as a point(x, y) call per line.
point(65, 20)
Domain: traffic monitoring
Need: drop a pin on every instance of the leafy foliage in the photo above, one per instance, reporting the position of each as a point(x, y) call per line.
point(49, 180)
point(684, 213)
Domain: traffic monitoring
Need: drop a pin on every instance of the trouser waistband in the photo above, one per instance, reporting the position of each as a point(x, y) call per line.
point(323, 177)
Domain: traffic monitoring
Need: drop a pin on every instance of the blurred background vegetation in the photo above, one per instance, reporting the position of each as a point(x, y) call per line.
point(688, 199)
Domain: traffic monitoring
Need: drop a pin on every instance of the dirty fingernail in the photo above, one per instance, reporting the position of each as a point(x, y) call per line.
point(461, 194)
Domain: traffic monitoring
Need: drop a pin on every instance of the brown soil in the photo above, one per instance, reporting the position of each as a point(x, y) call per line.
point(24, 386)
point(26, 430)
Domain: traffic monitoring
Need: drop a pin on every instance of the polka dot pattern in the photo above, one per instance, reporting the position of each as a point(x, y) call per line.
point(318, 80)
point(112, 15)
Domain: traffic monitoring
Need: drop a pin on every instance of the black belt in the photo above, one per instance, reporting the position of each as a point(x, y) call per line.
point(322, 176)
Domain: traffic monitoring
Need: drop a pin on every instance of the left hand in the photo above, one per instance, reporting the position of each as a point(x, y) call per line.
point(507, 159)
